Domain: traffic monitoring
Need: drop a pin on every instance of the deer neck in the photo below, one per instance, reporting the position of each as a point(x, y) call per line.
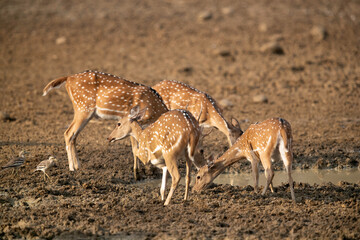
point(218, 121)
point(140, 149)
point(136, 130)
point(231, 156)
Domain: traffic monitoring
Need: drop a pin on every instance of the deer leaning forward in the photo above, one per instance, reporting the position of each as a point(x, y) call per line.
point(107, 96)
point(177, 95)
point(174, 134)
point(264, 141)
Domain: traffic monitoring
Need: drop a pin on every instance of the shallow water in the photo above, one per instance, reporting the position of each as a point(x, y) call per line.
point(310, 176)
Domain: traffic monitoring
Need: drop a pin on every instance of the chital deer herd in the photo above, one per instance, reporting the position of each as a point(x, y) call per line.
point(165, 123)
point(107, 96)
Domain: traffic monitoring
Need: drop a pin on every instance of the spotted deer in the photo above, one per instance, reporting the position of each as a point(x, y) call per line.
point(174, 134)
point(107, 96)
point(177, 95)
point(265, 141)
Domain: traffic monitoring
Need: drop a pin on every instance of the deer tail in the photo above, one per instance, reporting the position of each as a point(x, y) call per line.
point(54, 84)
point(285, 133)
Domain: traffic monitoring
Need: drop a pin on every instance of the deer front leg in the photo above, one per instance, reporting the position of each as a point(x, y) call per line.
point(175, 177)
point(163, 183)
point(188, 177)
point(136, 160)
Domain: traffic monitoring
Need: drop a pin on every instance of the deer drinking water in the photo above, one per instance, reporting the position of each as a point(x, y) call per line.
point(264, 141)
point(176, 133)
point(107, 96)
point(177, 95)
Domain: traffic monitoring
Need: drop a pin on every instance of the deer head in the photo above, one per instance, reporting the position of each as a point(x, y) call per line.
point(205, 175)
point(123, 128)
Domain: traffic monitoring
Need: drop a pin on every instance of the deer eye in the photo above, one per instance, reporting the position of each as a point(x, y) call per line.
point(118, 124)
point(198, 177)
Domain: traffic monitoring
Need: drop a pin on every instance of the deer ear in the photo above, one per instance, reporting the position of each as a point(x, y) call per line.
point(141, 113)
point(235, 122)
point(136, 113)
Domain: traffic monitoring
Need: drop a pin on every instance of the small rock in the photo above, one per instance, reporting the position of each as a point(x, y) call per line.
point(22, 224)
point(227, 10)
point(5, 117)
point(223, 52)
point(263, 27)
point(260, 98)
point(204, 16)
point(249, 188)
point(297, 68)
point(319, 33)
point(6, 229)
point(320, 163)
point(186, 70)
point(352, 162)
point(272, 47)
point(276, 38)
point(226, 103)
point(60, 40)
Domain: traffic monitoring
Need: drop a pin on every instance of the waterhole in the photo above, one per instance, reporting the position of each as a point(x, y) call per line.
point(310, 176)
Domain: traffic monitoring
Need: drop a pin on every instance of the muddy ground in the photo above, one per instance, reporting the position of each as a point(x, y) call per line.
point(224, 48)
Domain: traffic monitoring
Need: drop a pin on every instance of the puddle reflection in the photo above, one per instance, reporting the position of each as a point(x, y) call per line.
point(309, 176)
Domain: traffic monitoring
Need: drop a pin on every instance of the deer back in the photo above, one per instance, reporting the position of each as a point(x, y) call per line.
point(177, 95)
point(112, 96)
point(171, 133)
point(264, 136)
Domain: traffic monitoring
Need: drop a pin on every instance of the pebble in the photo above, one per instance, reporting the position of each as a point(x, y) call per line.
point(225, 103)
point(60, 40)
point(260, 98)
point(5, 117)
point(205, 15)
point(227, 10)
point(319, 33)
point(277, 37)
point(223, 52)
point(186, 70)
point(272, 47)
point(263, 27)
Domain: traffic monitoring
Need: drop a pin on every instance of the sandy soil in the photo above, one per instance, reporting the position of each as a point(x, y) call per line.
point(226, 48)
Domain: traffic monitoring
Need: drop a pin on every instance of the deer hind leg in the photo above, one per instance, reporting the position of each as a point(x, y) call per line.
point(78, 123)
point(171, 164)
point(136, 160)
point(287, 158)
point(275, 157)
point(269, 172)
point(255, 170)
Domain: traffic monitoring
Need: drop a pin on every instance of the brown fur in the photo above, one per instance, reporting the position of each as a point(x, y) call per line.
point(260, 142)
